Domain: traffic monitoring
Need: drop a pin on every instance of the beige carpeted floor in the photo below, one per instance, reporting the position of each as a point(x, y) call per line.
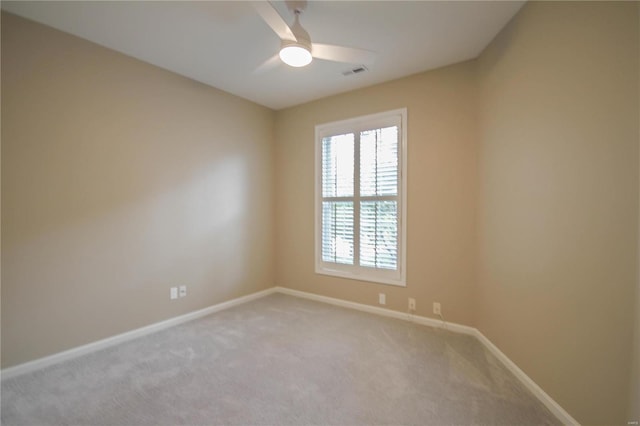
point(279, 360)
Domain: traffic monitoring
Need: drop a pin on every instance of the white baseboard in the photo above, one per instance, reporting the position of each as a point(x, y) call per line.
point(552, 405)
point(40, 363)
point(458, 328)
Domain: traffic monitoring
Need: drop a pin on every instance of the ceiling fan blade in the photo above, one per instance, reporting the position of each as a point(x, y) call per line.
point(349, 55)
point(271, 16)
point(268, 65)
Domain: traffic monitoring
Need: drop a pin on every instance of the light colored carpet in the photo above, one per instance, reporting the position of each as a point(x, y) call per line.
point(279, 360)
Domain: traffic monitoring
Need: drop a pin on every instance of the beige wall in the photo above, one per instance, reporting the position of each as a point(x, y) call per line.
point(634, 394)
point(119, 180)
point(441, 191)
point(558, 211)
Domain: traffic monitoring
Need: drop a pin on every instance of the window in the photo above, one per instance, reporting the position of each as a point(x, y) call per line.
point(361, 198)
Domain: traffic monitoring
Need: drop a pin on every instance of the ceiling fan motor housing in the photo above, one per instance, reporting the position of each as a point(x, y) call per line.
point(301, 34)
point(301, 43)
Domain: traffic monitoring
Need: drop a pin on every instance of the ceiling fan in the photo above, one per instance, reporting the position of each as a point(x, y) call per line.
point(296, 49)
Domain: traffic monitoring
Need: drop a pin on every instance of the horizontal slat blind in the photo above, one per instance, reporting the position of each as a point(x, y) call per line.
point(379, 162)
point(337, 166)
point(337, 232)
point(338, 216)
point(379, 234)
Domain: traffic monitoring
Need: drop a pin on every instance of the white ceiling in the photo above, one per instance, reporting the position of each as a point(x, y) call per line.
point(221, 43)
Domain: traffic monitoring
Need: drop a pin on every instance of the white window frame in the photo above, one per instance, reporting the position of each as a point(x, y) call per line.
point(356, 125)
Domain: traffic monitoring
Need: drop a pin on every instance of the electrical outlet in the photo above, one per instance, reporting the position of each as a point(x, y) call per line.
point(412, 304)
point(436, 308)
point(183, 290)
point(382, 299)
point(173, 294)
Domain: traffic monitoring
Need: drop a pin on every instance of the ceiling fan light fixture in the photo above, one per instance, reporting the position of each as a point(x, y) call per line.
point(295, 55)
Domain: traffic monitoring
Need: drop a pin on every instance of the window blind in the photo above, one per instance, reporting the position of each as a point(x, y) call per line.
point(376, 198)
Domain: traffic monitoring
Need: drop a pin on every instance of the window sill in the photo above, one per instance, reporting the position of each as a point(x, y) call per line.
point(372, 278)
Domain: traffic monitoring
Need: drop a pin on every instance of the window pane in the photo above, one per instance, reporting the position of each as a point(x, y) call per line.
point(379, 234)
point(379, 162)
point(337, 166)
point(337, 232)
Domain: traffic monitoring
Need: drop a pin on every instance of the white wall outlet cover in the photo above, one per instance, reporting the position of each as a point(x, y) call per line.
point(382, 299)
point(173, 293)
point(183, 290)
point(436, 308)
point(412, 304)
